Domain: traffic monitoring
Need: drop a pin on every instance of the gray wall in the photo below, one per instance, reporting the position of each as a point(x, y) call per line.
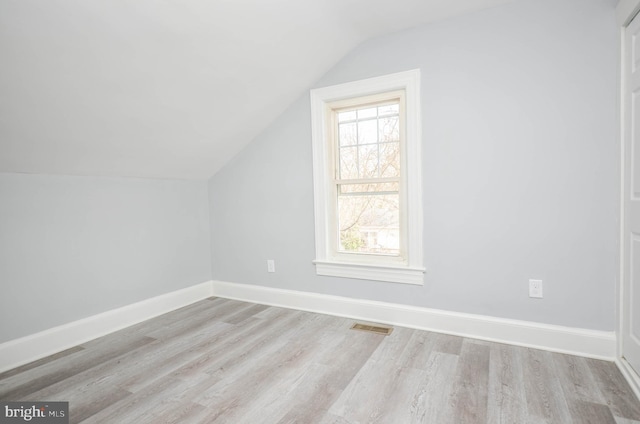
point(520, 169)
point(72, 247)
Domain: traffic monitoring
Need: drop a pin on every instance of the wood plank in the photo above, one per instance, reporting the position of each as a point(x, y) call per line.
point(392, 346)
point(287, 332)
point(430, 401)
point(173, 412)
point(249, 390)
point(506, 400)
point(19, 386)
point(84, 405)
point(418, 350)
point(323, 382)
point(354, 350)
point(198, 320)
point(365, 399)
point(590, 413)
point(625, 421)
point(470, 390)
point(310, 397)
point(132, 369)
point(245, 337)
point(332, 419)
point(160, 321)
point(138, 406)
point(615, 389)
point(576, 378)
point(239, 316)
point(362, 398)
point(545, 404)
point(446, 343)
point(39, 362)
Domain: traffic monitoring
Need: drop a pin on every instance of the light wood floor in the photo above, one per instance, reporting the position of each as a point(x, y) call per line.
point(224, 361)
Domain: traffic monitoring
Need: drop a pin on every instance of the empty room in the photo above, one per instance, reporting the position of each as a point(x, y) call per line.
point(319, 211)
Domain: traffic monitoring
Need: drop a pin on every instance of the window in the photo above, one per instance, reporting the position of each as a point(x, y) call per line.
point(367, 179)
point(364, 137)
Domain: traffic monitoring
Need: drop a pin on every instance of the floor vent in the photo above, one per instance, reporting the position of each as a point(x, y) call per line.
point(385, 331)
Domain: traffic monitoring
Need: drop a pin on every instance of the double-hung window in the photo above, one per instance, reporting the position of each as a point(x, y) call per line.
point(367, 179)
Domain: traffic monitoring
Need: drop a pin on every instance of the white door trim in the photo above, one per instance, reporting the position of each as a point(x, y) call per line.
point(626, 10)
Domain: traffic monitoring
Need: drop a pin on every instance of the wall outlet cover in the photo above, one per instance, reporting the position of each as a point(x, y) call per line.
point(535, 288)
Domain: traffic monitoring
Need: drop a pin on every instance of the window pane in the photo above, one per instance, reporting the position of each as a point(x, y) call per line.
point(348, 162)
point(393, 109)
point(348, 134)
point(368, 131)
point(389, 160)
point(368, 161)
point(369, 224)
point(389, 129)
point(367, 113)
point(365, 188)
point(347, 116)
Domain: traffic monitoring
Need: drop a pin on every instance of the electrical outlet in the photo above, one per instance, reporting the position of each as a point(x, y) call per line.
point(535, 288)
point(271, 265)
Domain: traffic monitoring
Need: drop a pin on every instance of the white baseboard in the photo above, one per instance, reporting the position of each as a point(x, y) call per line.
point(35, 346)
point(575, 341)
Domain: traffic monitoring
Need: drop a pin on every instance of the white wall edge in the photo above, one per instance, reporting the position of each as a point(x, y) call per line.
point(574, 341)
point(39, 345)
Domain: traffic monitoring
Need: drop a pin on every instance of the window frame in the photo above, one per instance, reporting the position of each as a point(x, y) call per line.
point(409, 269)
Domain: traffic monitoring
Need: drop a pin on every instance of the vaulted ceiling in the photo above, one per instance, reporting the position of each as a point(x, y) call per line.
point(170, 88)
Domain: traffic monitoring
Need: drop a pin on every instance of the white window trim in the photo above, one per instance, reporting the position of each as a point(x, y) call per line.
point(411, 272)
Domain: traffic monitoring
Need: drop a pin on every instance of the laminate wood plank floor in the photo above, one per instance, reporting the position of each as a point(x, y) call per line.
point(225, 361)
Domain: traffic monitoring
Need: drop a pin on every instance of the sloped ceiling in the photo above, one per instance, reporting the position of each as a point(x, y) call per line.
point(170, 88)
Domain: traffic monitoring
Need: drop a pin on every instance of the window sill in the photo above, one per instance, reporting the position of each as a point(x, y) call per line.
point(392, 274)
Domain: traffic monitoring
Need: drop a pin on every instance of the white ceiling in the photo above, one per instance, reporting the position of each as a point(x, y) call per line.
point(170, 89)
